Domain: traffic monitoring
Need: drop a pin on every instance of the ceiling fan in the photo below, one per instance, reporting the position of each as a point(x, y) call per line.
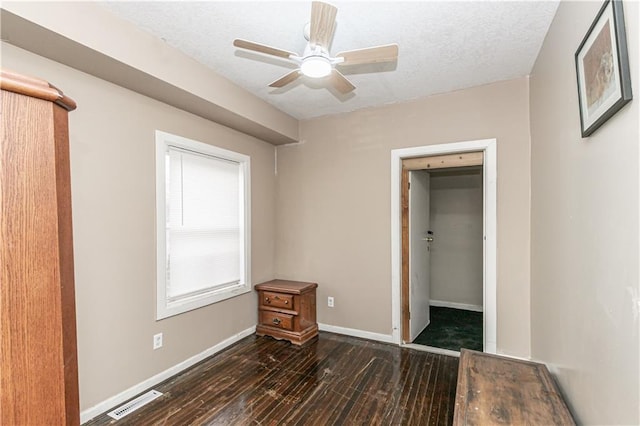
point(316, 61)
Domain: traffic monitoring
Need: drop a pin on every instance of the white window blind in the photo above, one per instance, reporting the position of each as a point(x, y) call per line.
point(203, 224)
point(204, 214)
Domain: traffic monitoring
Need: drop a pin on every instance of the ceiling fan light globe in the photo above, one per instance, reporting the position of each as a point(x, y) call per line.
point(316, 67)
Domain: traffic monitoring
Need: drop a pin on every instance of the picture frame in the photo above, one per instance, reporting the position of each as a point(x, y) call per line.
point(602, 68)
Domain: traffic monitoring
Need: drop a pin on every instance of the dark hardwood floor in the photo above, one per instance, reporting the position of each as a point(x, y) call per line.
point(333, 380)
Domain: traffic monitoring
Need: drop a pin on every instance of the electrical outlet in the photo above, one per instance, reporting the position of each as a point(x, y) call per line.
point(157, 341)
point(330, 302)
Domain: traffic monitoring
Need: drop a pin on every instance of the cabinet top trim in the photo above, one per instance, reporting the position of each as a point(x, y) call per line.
point(34, 87)
point(284, 286)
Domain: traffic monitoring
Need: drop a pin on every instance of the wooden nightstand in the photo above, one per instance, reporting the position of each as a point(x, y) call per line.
point(287, 310)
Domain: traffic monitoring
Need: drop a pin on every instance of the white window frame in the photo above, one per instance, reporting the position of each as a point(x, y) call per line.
point(166, 308)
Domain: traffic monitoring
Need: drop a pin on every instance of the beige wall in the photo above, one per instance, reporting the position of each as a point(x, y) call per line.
point(456, 252)
point(133, 58)
point(112, 144)
point(584, 228)
point(333, 195)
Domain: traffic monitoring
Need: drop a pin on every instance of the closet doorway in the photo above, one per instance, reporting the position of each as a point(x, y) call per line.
point(427, 296)
point(442, 275)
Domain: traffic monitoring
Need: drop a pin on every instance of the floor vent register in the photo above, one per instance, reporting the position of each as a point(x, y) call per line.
point(134, 404)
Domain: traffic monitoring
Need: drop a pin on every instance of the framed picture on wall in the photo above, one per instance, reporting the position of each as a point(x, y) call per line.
point(602, 67)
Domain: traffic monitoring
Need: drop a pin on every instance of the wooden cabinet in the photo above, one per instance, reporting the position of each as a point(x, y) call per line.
point(38, 357)
point(496, 390)
point(287, 310)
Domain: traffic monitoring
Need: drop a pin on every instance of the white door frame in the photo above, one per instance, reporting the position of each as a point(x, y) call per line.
point(489, 182)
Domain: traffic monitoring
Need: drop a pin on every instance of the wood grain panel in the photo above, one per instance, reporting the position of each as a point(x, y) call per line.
point(334, 380)
point(505, 391)
point(323, 24)
point(277, 320)
point(404, 273)
point(290, 287)
point(37, 302)
point(276, 300)
point(444, 161)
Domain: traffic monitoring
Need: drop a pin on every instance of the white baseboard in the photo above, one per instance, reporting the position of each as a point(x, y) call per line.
point(118, 399)
point(454, 305)
point(432, 349)
point(522, 358)
point(386, 338)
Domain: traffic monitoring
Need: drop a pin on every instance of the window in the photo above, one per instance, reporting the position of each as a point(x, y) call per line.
point(203, 224)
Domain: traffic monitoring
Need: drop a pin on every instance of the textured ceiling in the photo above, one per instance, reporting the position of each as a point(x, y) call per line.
point(444, 46)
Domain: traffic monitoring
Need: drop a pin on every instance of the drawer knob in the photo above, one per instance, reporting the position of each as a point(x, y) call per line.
point(266, 299)
point(286, 302)
point(276, 321)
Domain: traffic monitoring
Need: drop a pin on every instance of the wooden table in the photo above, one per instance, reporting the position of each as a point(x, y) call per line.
point(496, 390)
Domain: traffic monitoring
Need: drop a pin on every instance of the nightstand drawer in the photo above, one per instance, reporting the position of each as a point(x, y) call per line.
point(277, 300)
point(276, 319)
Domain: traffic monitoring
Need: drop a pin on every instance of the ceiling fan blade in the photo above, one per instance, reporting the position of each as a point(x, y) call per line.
point(323, 24)
point(370, 55)
point(288, 78)
point(262, 48)
point(340, 82)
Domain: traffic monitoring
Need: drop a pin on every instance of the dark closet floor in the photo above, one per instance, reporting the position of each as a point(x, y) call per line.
point(452, 329)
